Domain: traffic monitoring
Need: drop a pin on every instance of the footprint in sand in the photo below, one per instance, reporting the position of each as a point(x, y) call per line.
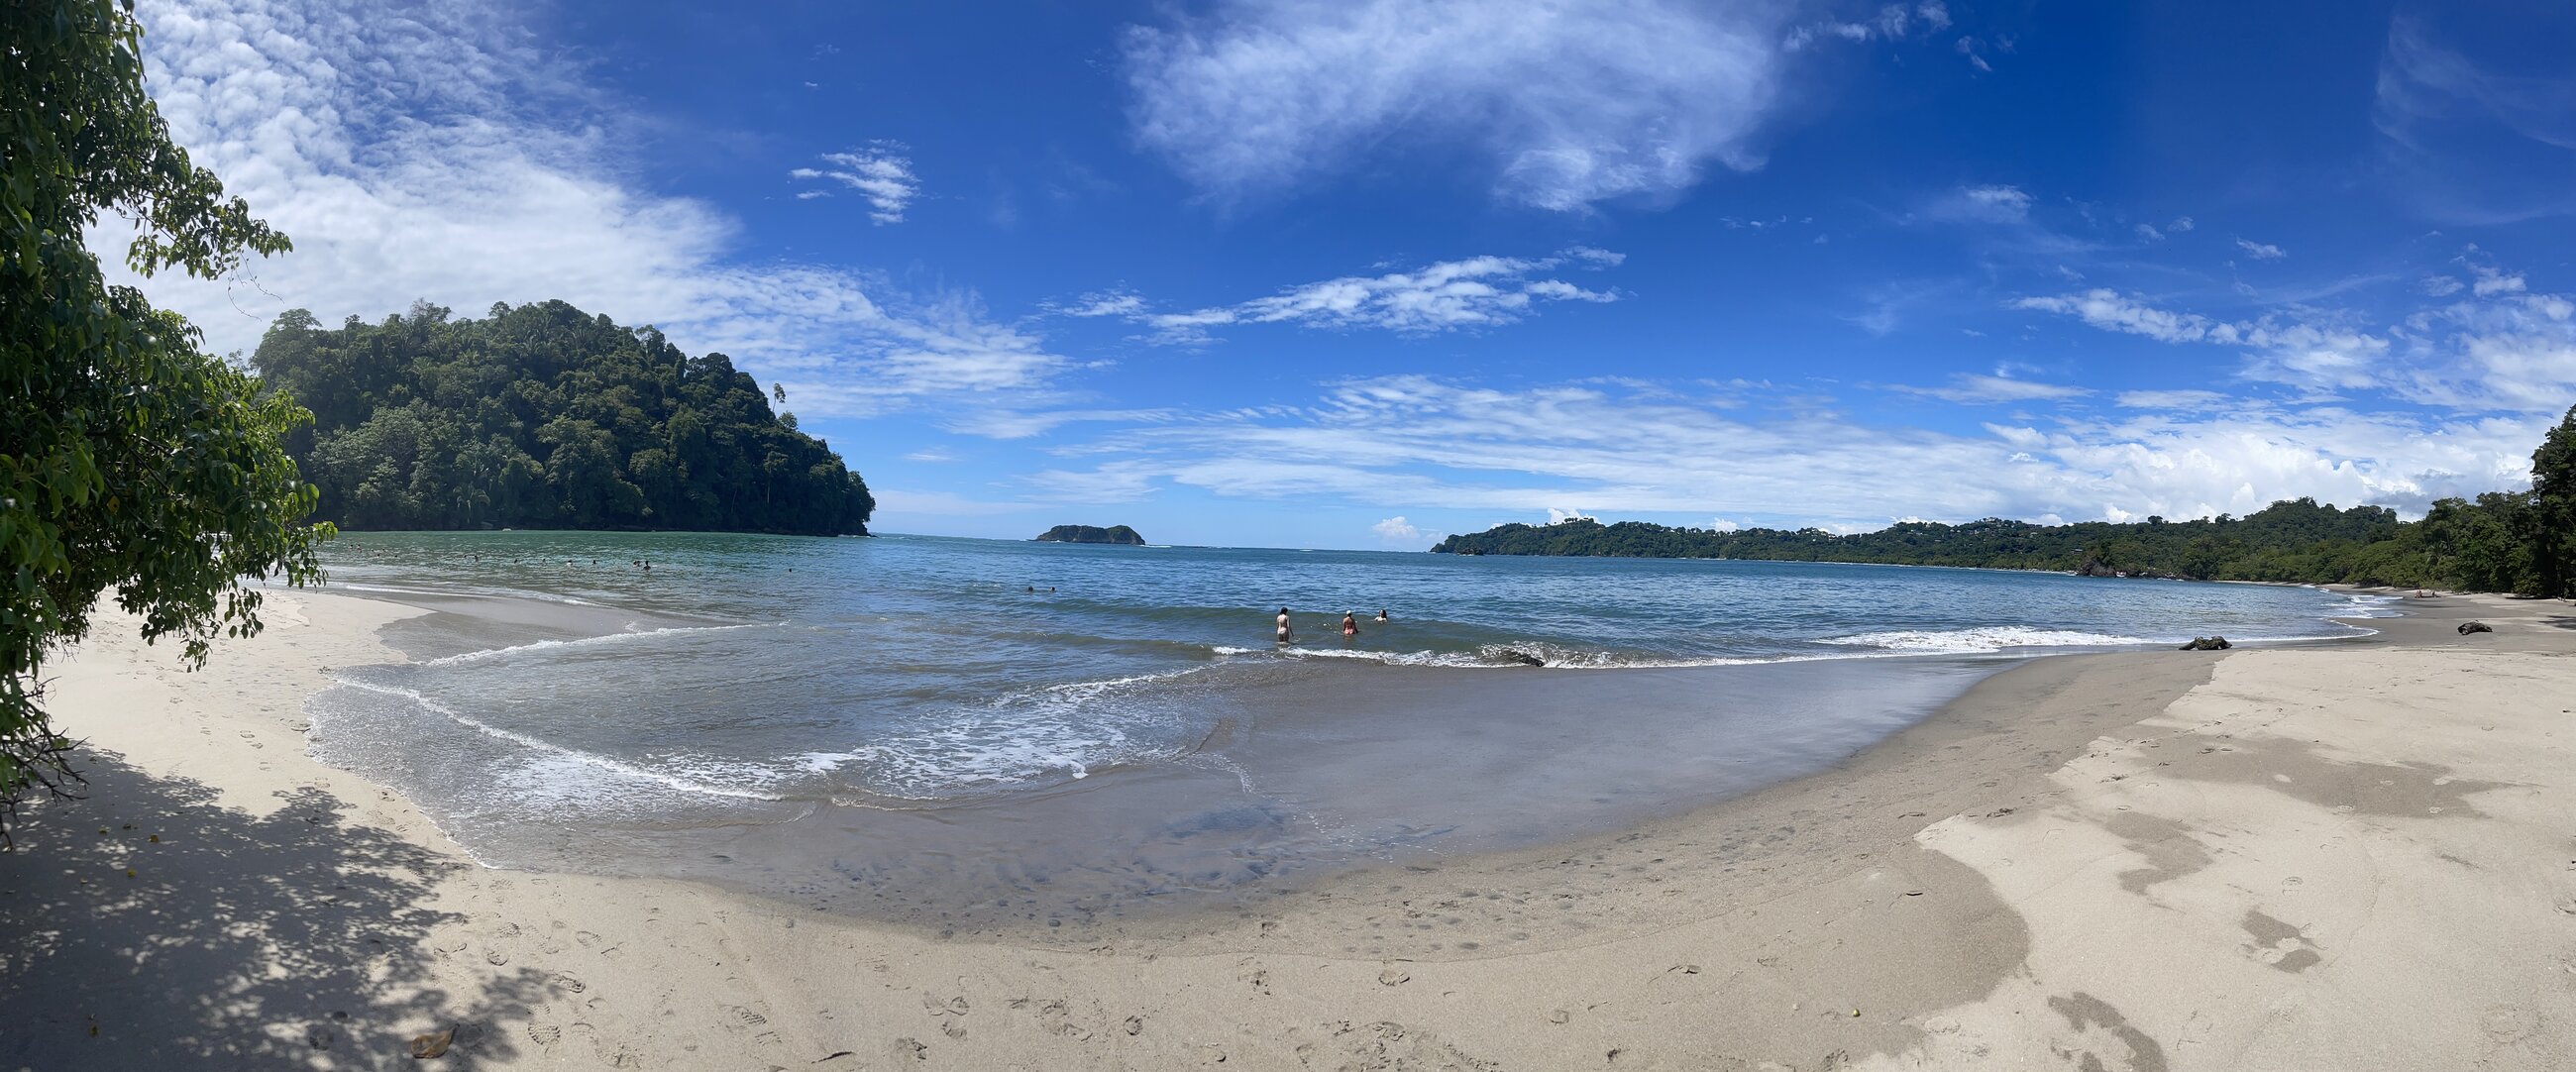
point(544, 1034)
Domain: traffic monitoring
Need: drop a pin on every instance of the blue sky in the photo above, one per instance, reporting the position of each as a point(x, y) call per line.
point(1359, 274)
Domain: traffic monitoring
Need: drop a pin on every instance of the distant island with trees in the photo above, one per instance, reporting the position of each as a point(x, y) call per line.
point(543, 416)
point(1089, 534)
point(2517, 542)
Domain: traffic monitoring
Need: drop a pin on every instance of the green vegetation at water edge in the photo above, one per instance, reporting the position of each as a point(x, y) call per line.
point(543, 416)
point(2519, 542)
point(130, 460)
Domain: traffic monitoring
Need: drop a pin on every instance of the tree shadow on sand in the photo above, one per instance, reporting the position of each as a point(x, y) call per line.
point(292, 940)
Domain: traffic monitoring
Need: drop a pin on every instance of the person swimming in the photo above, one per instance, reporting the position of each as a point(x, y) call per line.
point(1350, 625)
point(1381, 617)
point(1284, 632)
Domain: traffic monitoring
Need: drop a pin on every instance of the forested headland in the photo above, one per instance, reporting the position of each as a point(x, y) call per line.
point(542, 416)
point(2518, 542)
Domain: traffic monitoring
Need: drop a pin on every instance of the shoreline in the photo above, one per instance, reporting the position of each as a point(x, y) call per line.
point(1872, 888)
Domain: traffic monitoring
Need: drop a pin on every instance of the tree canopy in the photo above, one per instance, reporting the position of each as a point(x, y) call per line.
point(129, 460)
point(543, 416)
point(2519, 542)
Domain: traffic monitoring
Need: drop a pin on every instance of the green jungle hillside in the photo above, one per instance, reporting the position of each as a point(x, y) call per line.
point(2519, 542)
point(543, 416)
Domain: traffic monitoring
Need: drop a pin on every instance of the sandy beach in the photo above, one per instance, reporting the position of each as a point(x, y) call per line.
point(2350, 855)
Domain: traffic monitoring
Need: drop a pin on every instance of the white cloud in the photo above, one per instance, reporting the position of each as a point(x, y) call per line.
point(878, 171)
point(1891, 22)
point(930, 454)
point(1104, 303)
point(1436, 444)
point(2261, 251)
point(1719, 524)
point(1557, 516)
point(2492, 282)
point(1397, 530)
point(2180, 224)
point(1973, 50)
point(2176, 399)
point(1450, 295)
point(434, 152)
point(2148, 231)
point(2505, 350)
point(2443, 286)
point(1974, 390)
point(1566, 104)
point(2111, 311)
point(1982, 204)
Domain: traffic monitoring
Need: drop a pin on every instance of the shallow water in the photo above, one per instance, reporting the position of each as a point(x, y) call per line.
point(901, 726)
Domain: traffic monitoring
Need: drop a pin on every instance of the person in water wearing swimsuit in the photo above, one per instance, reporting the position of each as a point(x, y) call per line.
point(1350, 626)
point(1284, 631)
point(1381, 617)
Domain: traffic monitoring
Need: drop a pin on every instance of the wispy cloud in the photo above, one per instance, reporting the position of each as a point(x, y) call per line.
point(1446, 296)
point(1892, 22)
point(1440, 444)
point(2261, 251)
point(2187, 398)
point(488, 172)
point(1567, 104)
point(1982, 204)
point(2497, 348)
point(879, 171)
point(2466, 141)
point(1971, 389)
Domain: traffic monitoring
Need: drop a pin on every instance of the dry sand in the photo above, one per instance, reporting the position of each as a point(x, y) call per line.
point(2347, 856)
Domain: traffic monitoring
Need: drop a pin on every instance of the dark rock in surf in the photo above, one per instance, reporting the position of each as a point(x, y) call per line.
point(1119, 534)
point(2208, 643)
point(2467, 628)
point(1519, 658)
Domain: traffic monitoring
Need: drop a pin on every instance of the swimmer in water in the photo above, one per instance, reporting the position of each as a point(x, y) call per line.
point(1381, 617)
point(1284, 632)
point(1350, 626)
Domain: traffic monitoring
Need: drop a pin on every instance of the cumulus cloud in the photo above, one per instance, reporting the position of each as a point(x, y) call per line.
point(1563, 105)
point(878, 171)
point(2261, 251)
point(1397, 530)
point(1450, 295)
point(434, 152)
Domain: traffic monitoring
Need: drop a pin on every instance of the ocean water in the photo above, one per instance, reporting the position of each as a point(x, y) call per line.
point(919, 726)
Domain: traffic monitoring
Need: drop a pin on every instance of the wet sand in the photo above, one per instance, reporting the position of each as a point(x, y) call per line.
point(2348, 856)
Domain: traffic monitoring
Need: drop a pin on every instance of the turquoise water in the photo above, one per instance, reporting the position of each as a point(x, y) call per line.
point(747, 682)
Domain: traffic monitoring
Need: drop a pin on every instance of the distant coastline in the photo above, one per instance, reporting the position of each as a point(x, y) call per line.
point(2291, 542)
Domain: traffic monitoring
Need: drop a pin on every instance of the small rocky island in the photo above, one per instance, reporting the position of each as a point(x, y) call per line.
point(1091, 534)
